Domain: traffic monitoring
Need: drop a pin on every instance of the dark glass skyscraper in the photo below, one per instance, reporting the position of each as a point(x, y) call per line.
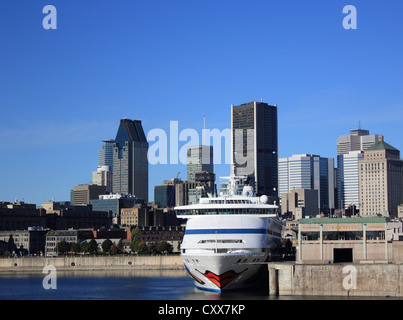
point(254, 137)
point(130, 163)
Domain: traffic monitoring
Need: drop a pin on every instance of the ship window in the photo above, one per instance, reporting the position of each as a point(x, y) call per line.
point(222, 241)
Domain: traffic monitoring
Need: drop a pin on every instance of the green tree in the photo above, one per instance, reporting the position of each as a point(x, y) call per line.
point(135, 231)
point(106, 246)
point(114, 249)
point(92, 247)
point(76, 247)
point(164, 247)
point(63, 247)
point(120, 247)
point(84, 246)
point(142, 248)
point(134, 245)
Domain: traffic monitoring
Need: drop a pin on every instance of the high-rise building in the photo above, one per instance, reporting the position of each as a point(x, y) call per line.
point(301, 203)
point(348, 179)
point(357, 140)
point(381, 180)
point(254, 146)
point(82, 194)
point(103, 177)
point(164, 195)
point(349, 151)
point(130, 163)
point(105, 155)
point(199, 158)
point(307, 171)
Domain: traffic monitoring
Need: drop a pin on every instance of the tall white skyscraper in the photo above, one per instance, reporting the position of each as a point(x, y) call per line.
point(348, 173)
point(307, 171)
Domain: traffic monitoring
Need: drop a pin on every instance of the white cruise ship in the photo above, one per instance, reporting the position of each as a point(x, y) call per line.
point(228, 237)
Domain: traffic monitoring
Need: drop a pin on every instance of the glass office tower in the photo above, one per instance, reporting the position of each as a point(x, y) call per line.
point(254, 135)
point(130, 163)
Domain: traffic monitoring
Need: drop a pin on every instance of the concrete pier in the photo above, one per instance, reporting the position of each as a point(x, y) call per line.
point(169, 262)
point(369, 279)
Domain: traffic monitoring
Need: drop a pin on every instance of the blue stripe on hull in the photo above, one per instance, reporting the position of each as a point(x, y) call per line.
point(225, 231)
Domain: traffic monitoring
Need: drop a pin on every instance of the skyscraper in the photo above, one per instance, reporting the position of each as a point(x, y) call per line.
point(348, 183)
point(105, 155)
point(103, 177)
point(350, 150)
point(254, 136)
point(307, 171)
point(199, 159)
point(130, 163)
point(381, 180)
point(357, 140)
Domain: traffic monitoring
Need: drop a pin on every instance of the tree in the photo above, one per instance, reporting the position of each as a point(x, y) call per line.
point(84, 246)
point(76, 247)
point(92, 247)
point(106, 246)
point(63, 247)
point(114, 249)
point(135, 231)
point(120, 246)
point(139, 246)
point(164, 247)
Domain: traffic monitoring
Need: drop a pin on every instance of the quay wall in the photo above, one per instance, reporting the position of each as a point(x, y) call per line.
point(169, 262)
point(371, 279)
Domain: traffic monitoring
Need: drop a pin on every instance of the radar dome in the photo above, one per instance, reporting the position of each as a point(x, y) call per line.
point(264, 199)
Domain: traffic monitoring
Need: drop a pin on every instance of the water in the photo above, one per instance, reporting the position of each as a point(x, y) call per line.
point(109, 285)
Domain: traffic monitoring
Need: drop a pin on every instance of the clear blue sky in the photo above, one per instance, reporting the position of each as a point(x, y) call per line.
point(63, 91)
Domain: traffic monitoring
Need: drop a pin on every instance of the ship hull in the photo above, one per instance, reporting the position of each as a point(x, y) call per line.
point(226, 253)
point(222, 273)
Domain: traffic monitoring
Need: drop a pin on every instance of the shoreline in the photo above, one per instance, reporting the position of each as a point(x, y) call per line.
point(93, 263)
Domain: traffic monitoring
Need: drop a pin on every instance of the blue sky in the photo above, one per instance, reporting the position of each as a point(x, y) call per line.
point(63, 91)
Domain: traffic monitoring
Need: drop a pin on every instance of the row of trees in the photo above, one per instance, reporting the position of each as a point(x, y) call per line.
point(107, 247)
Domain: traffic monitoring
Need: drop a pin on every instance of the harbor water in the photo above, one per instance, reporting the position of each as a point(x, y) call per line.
point(111, 285)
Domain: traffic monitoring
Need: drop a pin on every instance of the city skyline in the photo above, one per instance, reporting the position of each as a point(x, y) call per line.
point(63, 91)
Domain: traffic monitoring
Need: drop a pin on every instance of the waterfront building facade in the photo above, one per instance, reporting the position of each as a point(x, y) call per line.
point(130, 162)
point(307, 171)
point(381, 180)
point(30, 241)
point(331, 240)
point(254, 147)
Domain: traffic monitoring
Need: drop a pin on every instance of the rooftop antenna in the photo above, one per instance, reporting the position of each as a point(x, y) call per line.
point(359, 124)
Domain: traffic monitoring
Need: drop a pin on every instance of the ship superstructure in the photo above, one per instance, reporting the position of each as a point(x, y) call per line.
point(228, 237)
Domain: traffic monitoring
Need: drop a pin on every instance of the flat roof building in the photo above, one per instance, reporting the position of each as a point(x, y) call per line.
point(333, 240)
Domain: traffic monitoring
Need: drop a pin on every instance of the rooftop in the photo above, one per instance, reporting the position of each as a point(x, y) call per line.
point(382, 145)
point(343, 220)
